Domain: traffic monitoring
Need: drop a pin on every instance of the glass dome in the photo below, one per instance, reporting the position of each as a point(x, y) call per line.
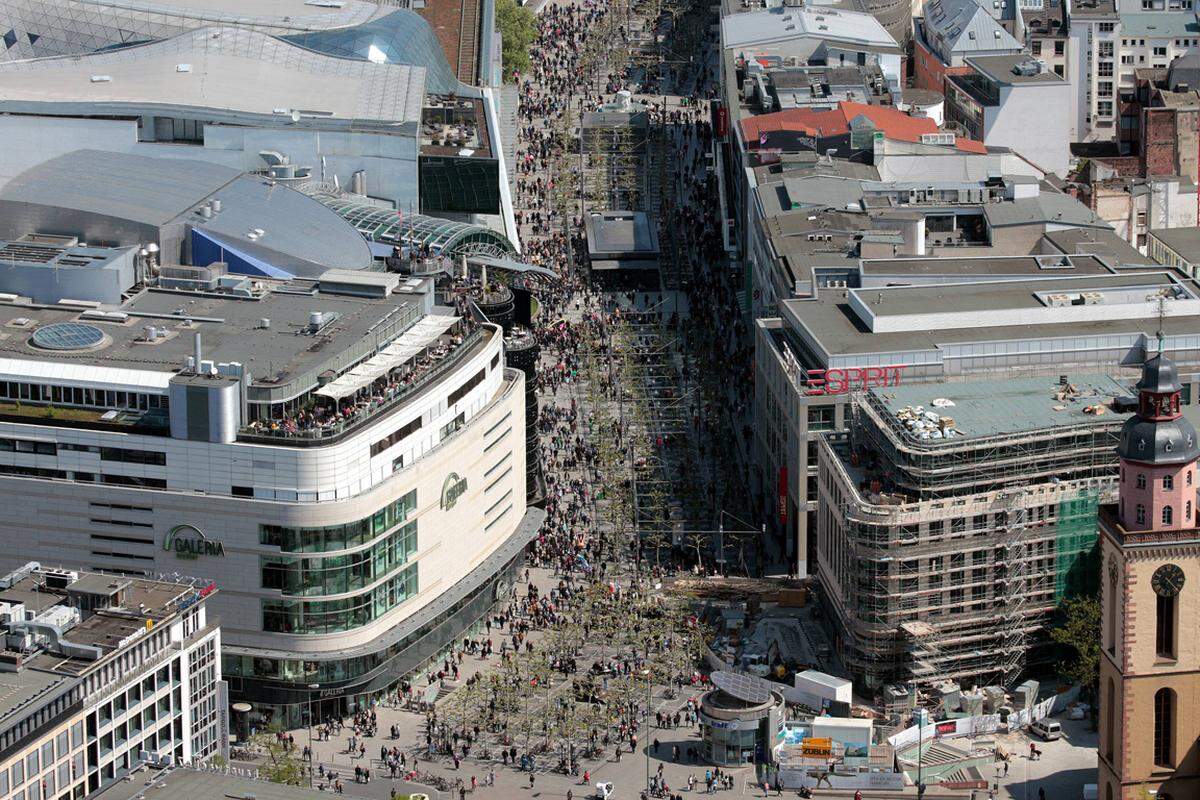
point(402, 37)
point(68, 336)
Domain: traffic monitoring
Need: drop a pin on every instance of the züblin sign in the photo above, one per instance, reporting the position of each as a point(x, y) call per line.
point(188, 541)
point(452, 489)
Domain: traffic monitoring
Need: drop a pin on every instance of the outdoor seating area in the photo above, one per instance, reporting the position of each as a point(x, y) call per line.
point(409, 362)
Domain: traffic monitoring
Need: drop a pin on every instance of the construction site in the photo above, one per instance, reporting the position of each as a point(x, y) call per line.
point(955, 518)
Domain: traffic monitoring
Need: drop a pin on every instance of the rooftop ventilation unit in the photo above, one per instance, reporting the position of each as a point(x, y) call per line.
point(101, 79)
point(1091, 298)
point(1027, 67)
point(1057, 300)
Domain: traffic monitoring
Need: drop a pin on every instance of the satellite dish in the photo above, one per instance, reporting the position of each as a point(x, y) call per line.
point(295, 115)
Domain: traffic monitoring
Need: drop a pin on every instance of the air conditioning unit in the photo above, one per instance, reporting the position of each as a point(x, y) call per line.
point(1058, 300)
point(1091, 298)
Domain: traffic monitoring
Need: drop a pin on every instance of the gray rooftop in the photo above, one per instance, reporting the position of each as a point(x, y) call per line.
point(277, 357)
point(152, 191)
point(966, 27)
point(838, 330)
point(182, 782)
point(24, 689)
point(1184, 241)
point(988, 408)
point(331, 92)
point(1000, 69)
point(618, 234)
point(988, 266)
point(1047, 207)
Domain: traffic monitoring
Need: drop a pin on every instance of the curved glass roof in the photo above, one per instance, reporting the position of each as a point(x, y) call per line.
point(402, 37)
point(442, 236)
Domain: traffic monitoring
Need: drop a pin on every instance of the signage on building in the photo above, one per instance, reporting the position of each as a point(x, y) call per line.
point(783, 495)
point(453, 488)
point(841, 381)
point(188, 541)
point(816, 747)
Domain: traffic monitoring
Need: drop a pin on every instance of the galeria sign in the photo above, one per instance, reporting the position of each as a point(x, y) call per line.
point(188, 541)
point(453, 488)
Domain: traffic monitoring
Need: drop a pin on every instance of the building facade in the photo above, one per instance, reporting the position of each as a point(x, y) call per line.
point(108, 673)
point(1150, 565)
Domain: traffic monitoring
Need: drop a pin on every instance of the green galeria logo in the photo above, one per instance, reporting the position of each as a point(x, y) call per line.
point(188, 541)
point(453, 488)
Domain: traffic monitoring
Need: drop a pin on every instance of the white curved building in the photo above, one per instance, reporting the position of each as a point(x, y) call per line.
point(345, 460)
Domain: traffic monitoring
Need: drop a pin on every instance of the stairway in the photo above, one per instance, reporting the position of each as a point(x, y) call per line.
point(468, 41)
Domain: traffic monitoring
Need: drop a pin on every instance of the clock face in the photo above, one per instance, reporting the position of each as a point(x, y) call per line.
point(1167, 580)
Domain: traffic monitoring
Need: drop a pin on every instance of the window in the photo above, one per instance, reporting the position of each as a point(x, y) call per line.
point(1035, 47)
point(1167, 515)
point(1187, 513)
point(1104, 108)
point(1141, 480)
point(1110, 717)
point(820, 418)
point(1105, 70)
point(1111, 601)
point(1160, 51)
point(468, 385)
point(1164, 625)
point(395, 436)
point(1060, 47)
point(1168, 481)
point(1164, 727)
point(1189, 477)
point(1106, 27)
point(1104, 88)
point(1106, 50)
point(1140, 514)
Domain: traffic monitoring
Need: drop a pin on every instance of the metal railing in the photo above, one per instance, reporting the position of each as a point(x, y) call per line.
point(328, 434)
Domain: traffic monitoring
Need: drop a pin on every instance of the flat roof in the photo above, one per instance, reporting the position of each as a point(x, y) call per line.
point(1184, 241)
point(1000, 69)
point(992, 295)
point(989, 266)
point(19, 689)
point(627, 233)
point(230, 328)
point(210, 68)
point(992, 407)
point(839, 331)
point(182, 782)
point(785, 24)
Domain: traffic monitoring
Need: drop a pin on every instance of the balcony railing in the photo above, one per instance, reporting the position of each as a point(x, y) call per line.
point(328, 434)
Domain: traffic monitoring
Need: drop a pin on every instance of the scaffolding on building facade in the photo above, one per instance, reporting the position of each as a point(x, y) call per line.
point(952, 555)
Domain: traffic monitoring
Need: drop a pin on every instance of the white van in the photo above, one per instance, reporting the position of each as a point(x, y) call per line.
point(1048, 729)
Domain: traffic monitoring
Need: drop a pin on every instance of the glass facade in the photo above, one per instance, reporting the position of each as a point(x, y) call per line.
point(440, 236)
point(339, 537)
point(402, 37)
point(459, 185)
point(342, 614)
point(346, 572)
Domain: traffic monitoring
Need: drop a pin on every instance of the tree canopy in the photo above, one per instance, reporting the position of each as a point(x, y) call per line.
point(518, 29)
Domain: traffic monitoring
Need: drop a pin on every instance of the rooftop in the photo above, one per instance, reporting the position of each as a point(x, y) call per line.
point(786, 24)
point(1000, 69)
point(289, 14)
point(277, 355)
point(988, 266)
point(1184, 241)
point(838, 330)
point(170, 784)
point(989, 408)
point(964, 26)
point(895, 124)
point(207, 69)
point(18, 690)
point(1159, 24)
point(617, 234)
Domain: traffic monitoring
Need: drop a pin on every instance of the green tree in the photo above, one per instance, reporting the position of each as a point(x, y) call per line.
point(282, 765)
point(1079, 630)
point(518, 29)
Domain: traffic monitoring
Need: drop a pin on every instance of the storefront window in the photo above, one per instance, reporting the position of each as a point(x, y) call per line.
point(331, 616)
point(338, 537)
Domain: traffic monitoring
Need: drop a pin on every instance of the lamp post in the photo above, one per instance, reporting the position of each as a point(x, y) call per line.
point(312, 687)
point(646, 673)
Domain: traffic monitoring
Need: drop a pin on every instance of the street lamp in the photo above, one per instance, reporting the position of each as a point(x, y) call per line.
point(312, 687)
point(646, 743)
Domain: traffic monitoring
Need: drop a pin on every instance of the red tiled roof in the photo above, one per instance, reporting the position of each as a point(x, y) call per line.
point(894, 124)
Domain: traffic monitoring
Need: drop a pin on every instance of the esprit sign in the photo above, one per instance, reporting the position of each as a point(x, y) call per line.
point(841, 381)
point(188, 541)
point(453, 488)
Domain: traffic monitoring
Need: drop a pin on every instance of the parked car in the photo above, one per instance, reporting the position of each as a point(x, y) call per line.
point(1048, 729)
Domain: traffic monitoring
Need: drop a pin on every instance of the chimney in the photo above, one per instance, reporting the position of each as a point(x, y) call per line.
point(197, 341)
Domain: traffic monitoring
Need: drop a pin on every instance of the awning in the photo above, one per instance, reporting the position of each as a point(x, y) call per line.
point(403, 349)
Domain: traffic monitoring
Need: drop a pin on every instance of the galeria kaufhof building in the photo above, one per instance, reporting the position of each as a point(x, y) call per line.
point(343, 458)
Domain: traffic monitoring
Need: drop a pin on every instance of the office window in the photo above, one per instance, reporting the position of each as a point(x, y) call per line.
point(1104, 89)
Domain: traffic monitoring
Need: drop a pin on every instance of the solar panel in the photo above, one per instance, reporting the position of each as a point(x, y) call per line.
point(68, 336)
point(744, 687)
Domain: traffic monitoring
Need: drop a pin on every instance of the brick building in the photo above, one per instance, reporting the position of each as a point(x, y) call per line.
point(1150, 570)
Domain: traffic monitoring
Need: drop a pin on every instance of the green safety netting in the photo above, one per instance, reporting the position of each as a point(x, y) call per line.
point(1076, 551)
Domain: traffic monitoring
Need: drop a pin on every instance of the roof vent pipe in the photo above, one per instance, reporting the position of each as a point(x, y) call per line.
point(197, 356)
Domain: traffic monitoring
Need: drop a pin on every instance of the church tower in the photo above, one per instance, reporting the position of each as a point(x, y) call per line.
point(1150, 596)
